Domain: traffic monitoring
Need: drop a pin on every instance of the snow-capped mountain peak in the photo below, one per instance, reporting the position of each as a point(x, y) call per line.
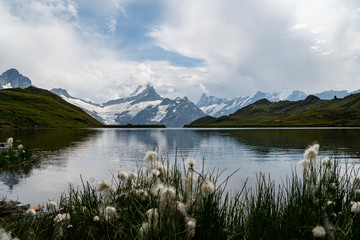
point(60, 92)
point(138, 90)
point(217, 107)
point(13, 79)
point(143, 106)
point(284, 94)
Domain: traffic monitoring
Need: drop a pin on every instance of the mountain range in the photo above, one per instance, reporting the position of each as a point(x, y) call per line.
point(146, 106)
point(310, 112)
point(143, 106)
point(217, 107)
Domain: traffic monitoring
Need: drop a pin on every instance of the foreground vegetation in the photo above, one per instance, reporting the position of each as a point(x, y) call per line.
point(182, 201)
point(311, 112)
point(33, 107)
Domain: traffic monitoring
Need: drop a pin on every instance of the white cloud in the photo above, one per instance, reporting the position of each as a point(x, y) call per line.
point(112, 26)
point(47, 47)
point(248, 46)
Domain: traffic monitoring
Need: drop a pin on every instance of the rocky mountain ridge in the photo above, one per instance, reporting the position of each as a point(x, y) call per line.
point(217, 107)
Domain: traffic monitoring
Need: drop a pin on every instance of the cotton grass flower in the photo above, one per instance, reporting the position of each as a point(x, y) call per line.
point(190, 162)
point(51, 206)
point(190, 227)
point(319, 232)
point(156, 190)
point(156, 173)
point(330, 203)
point(181, 208)
point(105, 187)
point(167, 193)
point(304, 163)
point(66, 217)
point(62, 217)
point(144, 230)
point(131, 176)
point(355, 208)
point(123, 176)
point(83, 209)
point(58, 218)
point(150, 157)
point(207, 188)
point(31, 212)
point(162, 169)
point(10, 141)
point(312, 152)
point(96, 219)
point(110, 213)
point(153, 215)
point(326, 162)
point(142, 193)
point(20, 146)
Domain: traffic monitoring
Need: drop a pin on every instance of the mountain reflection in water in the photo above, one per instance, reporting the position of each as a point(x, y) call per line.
point(96, 154)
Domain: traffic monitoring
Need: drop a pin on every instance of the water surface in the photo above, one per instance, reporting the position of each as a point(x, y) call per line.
point(96, 154)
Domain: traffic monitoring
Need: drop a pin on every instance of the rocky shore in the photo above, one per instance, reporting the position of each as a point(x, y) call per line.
point(11, 210)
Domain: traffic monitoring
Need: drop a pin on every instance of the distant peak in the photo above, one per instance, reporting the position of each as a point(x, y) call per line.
point(60, 91)
point(12, 78)
point(141, 89)
point(311, 99)
point(13, 71)
point(136, 90)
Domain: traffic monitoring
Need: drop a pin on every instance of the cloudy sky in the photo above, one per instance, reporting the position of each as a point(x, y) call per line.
point(102, 50)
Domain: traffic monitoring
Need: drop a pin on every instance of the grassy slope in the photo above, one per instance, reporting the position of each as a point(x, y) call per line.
point(34, 107)
point(309, 112)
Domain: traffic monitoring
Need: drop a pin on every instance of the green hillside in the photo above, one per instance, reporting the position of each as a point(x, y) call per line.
point(34, 107)
point(311, 112)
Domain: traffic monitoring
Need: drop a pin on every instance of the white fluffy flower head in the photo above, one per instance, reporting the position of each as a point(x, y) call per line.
point(207, 188)
point(150, 157)
point(62, 217)
point(51, 206)
point(105, 187)
point(168, 193)
point(31, 212)
point(319, 232)
point(181, 208)
point(190, 162)
point(96, 219)
point(10, 140)
point(355, 208)
point(304, 163)
point(131, 176)
point(110, 213)
point(326, 162)
point(312, 152)
point(153, 215)
point(123, 176)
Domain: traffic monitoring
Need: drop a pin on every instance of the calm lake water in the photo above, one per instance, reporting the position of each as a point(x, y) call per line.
point(97, 154)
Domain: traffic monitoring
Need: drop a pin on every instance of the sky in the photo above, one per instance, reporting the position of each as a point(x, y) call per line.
point(102, 50)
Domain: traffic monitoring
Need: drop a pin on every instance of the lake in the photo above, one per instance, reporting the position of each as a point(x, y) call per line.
point(96, 154)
